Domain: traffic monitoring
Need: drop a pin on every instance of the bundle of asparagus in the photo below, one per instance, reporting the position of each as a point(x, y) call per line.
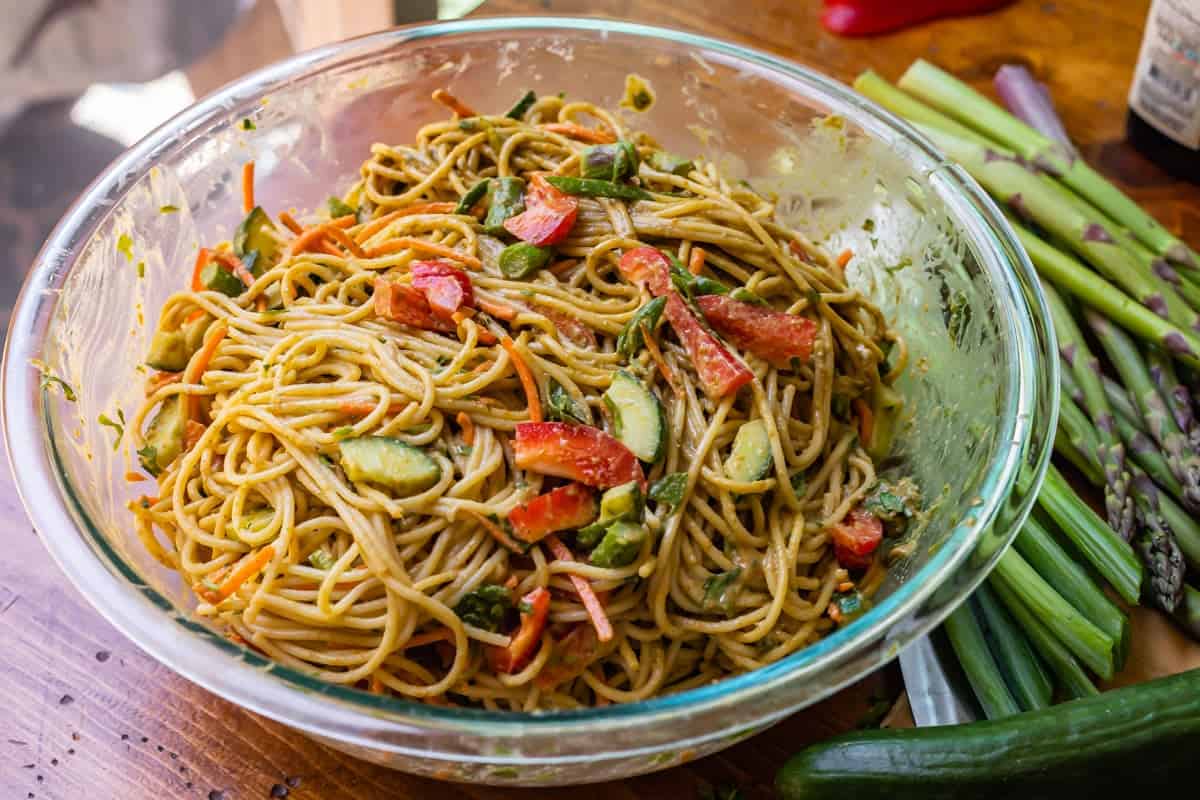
point(1117, 283)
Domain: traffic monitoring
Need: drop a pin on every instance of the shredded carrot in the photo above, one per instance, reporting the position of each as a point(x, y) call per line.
point(260, 303)
point(453, 103)
point(866, 420)
point(195, 315)
point(844, 258)
point(307, 240)
point(834, 612)
point(468, 427)
point(527, 382)
point(199, 363)
point(134, 477)
point(500, 311)
point(798, 249)
point(696, 260)
point(595, 608)
point(290, 221)
point(201, 261)
point(845, 586)
point(581, 133)
point(661, 362)
point(511, 583)
point(248, 187)
point(559, 267)
point(161, 379)
point(192, 433)
point(486, 337)
point(497, 532)
point(248, 569)
point(340, 236)
point(435, 635)
point(347, 221)
point(376, 225)
point(235, 264)
point(376, 686)
point(361, 408)
point(328, 249)
point(410, 243)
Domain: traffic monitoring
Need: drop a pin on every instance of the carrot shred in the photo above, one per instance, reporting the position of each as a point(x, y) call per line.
point(591, 603)
point(260, 303)
point(453, 103)
point(192, 433)
point(410, 243)
point(248, 187)
point(200, 363)
point(376, 225)
point(487, 337)
point(201, 261)
point(345, 221)
point(844, 258)
point(249, 567)
point(360, 408)
point(511, 583)
point(290, 221)
point(866, 420)
point(161, 379)
point(527, 382)
point(581, 133)
point(468, 427)
point(696, 260)
point(375, 686)
point(307, 240)
point(429, 637)
point(135, 477)
point(497, 532)
point(845, 586)
point(235, 265)
point(661, 362)
point(195, 315)
point(500, 311)
point(342, 238)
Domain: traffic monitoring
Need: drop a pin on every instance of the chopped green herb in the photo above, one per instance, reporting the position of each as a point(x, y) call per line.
point(148, 455)
point(720, 590)
point(525, 607)
point(849, 605)
point(141, 269)
point(339, 207)
point(813, 297)
point(521, 106)
point(321, 560)
point(168, 209)
point(562, 407)
point(668, 490)
point(690, 285)
point(868, 225)
point(884, 502)
point(486, 607)
point(248, 124)
point(744, 295)
point(632, 338)
point(49, 379)
point(105, 420)
point(125, 246)
point(638, 94)
point(799, 483)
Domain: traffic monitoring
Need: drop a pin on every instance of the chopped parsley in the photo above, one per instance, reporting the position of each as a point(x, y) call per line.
point(486, 607)
point(562, 407)
point(631, 340)
point(720, 591)
point(148, 455)
point(119, 427)
point(49, 379)
point(668, 490)
point(248, 124)
point(321, 560)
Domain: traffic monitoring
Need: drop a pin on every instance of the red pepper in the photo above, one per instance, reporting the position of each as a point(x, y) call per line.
point(576, 452)
point(856, 539)
point(548, 216)
point(408, 306)
point(445, 286)
point(572, 655)
point(720, 371)
point(535, 609)
point(869, 17)
point(565, 508)
point(774, 335)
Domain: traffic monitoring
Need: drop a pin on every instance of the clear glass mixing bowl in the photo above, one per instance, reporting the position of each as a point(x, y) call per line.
point(935, 254)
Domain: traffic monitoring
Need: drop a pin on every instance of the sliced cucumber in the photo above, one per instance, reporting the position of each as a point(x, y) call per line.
point(751, 455)
point(164, 437)
point(624, 502)
point(193, 335)
point(168, 351)
point(253, 236)
point(638, 418)
point(216, 277)
point(389, 462)
point(620, 545)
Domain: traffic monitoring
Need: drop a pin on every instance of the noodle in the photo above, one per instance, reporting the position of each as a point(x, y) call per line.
point(359, 583)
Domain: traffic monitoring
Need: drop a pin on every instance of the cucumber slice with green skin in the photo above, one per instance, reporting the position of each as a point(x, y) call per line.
point(216, 277)
point(620, 503)
point(639, 422)
point(389, 462)
point(750, 458)
point(168, 351)
point(164, 437)
point(193, 334)
point(620, 545)
point(252, 236)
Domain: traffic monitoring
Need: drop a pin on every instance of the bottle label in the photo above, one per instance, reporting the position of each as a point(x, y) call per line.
point(1166, 84)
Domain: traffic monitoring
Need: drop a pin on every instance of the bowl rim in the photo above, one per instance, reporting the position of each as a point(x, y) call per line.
point(299, 700)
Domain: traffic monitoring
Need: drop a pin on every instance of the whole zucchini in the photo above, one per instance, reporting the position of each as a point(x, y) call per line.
point(1145, 736)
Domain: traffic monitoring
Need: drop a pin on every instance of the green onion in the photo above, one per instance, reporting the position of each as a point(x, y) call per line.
point(1023, 671)
point(966, 637)
point(521, 106)
point(591, 187)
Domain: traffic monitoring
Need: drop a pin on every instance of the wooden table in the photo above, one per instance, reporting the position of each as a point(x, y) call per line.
point(91, 716)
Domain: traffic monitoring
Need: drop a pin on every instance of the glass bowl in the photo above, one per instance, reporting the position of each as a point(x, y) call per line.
point(931, 250)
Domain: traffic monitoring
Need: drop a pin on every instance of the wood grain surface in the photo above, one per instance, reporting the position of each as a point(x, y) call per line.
point(87, 715)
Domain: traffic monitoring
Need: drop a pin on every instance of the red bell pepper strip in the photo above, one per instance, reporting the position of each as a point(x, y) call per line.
point(565, 508)
point(576, 452)
point(868, 17)
point(535, 609)
point(720, 371)
point(548, 216)
point(572, 655)
point(408, 306)
point(856, 539)
point(446, 287)
point(774, 335)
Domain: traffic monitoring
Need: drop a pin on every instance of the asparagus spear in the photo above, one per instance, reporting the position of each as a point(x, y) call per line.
point(874, 86)
point(1188, 612)
point(1011, 180)
point(1110, 449)
point(958, 100)
point(966, 638)
point(1075, 440)
point(1076, 279)
point(1158, 549)
point(1172, 390)
point(1123, 353)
